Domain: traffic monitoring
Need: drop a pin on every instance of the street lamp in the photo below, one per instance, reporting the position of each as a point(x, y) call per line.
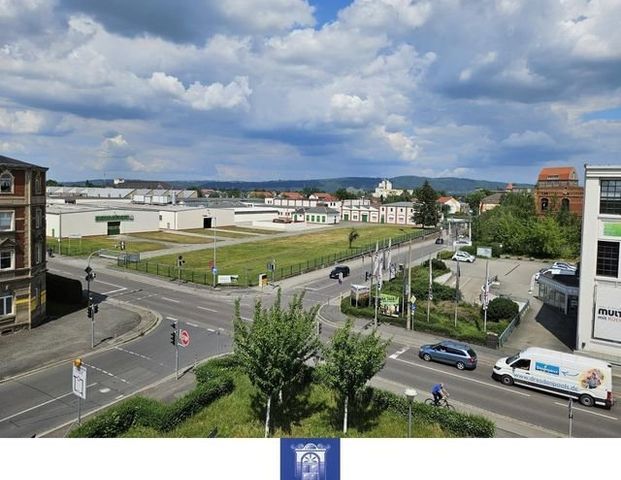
point(410, 394)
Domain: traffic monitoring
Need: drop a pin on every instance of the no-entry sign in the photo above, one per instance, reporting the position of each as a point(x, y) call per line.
point(184, 338)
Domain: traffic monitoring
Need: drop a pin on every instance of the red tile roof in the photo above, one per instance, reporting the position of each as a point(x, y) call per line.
point(292, 195)
point(557, 173)
point(324, 196)
point(444, 199)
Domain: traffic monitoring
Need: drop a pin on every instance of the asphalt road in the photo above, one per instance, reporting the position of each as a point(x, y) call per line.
point(42, 401)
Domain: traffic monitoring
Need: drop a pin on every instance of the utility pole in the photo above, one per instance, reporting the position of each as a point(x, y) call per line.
point(430, 293)
point(91, 310)
point(485, 296)
point(409, 288)
point(571, 416)
point(214, 270)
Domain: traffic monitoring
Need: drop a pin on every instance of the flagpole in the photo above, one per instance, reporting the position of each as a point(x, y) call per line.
point(485, 295)
point(430, 289)
point(377, 280)
point(409, 287)
point(457, 292)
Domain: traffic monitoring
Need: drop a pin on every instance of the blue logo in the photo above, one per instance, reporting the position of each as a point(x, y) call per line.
point(544, 367)
point(310, 459)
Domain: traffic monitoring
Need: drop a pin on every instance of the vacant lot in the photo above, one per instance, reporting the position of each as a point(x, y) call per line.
point(87, 245)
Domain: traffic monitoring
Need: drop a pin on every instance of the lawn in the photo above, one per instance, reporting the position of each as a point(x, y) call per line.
point(172, 237)
point(219, 233)
point(235, 228)
point(293, 255)
point(87, 245)
point(312, 413)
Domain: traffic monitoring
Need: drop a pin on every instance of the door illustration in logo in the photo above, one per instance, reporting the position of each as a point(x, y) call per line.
point(310, 461)
point(310, 467)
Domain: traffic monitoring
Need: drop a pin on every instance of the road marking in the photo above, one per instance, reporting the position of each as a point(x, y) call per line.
point(246, 319)
point(173, 319)
point(111, 284)
point(105, 372)
point(114, 291)
point(119, 396)
point(104, 390)
point(41, 405)
point(211, 330)
point(171, 300)
point(508, 390)
point(133, 353)
point(396, 355)
point(192, 324)
point(586, 411)
point(208, 309)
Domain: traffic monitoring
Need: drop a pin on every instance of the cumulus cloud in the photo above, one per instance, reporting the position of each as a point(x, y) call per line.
point(528, 139)
point(21, 121)
point(401, 143)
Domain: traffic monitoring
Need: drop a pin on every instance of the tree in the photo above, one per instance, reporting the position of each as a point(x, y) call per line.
point(427, 213)
point(351, 360)
point(52, 183)
point(307, 191)
point(522, 205)
point(273, 348)
point(343, 194)
point(353, 235)
point(473, 200)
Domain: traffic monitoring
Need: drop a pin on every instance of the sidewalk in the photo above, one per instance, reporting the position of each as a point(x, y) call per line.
point(69, 337)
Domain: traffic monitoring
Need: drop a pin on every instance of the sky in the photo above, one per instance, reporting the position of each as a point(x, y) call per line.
point(300, 89)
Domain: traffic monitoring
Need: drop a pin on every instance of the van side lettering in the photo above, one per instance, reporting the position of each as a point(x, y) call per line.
point(546, 368)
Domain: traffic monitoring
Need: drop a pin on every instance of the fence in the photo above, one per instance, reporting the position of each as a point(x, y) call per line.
point(504, 336)
point(249, 276)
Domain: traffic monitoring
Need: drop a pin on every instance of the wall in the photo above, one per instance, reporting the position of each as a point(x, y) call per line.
point(83, 223)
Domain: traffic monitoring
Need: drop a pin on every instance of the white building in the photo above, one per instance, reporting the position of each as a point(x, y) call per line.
point(359, 212)
point(599, 303)
point(398, 213)
point(453, 206)
point(324, 215)
point(384, 189)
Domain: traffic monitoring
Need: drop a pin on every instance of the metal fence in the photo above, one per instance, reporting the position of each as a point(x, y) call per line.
point(504, 336)
point(249, 276)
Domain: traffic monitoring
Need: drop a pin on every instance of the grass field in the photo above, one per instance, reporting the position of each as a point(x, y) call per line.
point(172, 237)
point(87, 245)
point(312, 413)
point(293, 255)
point(235, 228)
point(219, 233)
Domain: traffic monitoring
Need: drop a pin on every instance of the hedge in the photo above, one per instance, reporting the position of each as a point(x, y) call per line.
point(444, 255)
point(213, 382)
point(458, 424)
point(501, 308)
point(64, 290)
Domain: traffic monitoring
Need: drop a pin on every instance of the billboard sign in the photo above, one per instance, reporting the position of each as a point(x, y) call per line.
point(607, 321)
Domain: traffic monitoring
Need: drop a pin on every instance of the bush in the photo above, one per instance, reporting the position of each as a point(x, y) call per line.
point(437, 265)
point(420, 288)
point(444, 255)
point(63, 290)
point(458, 424)
point(213, 381)
point(471, 249)
point(501, 308)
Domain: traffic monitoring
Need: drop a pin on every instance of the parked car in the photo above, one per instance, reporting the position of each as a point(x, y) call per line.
point(282, 220)
point(344, 269)
point(461, 355)
point(439, 241)
point(564, 266)
point(463, 257)
point(463, 241)
point(541, 272)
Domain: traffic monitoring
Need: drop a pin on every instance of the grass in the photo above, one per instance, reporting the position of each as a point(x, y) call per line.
point(206, 232)
point(172, 237)
point(235, 228)
point(87, 245)
point(312, 412)
point(293, 255)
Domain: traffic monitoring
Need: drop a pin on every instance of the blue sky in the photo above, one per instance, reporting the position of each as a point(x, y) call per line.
point(268, 89)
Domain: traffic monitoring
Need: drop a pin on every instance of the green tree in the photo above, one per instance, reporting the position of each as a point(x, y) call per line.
point(353, 236)
point(545, 238)
point(52, 183)
point(521, 205)
point(473, 199)
point(427, 213)
point(274, 347)
point(308, 191)
point(351, 360)
point(343, 194)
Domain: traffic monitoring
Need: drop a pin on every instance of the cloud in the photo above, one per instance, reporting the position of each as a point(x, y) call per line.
point(21, 121)
point(404, 145)
point(528, 139)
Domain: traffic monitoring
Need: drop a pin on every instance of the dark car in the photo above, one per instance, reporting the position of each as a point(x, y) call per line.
point(439, 241)
point(344, 269)
point(453, 353)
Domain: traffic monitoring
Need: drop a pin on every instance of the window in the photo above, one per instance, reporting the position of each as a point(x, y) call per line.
point(565, 204)
point(522, 363)
point(38, 218)
point(6, 221)
point(37, 183)
point(544, 204)
point(6, 304)
point(38, 252)
point(6, 182)
point(610, 197)
point(454, 351)
point(607, 259)
point(6, 260)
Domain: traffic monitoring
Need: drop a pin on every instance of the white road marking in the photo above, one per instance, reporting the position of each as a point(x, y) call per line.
point(114, 291)
point(396, 355)
point(108, 373)
point(132, 353)
point(210, 330)
point(111, 284)
point(119, 396)
point(171, 300)
point(491, 385)
point(208, 309)
point(41, 405)
point(171, 318)
point(104, 390)
point(586, 411)
point(246, 319)
point(192, 324)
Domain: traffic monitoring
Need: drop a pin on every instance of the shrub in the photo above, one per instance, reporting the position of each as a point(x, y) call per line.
point(62, 289)
point(501, 308)
point(458, 424)
point(444, 255)
point(471, 249)
point(420, 288)
point(437, 265)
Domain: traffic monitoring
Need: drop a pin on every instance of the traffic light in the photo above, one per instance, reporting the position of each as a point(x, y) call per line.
point(122, 244)
point(180, 261)
point(89, 312)
point(96, 308)
point(319, 328)
point(366, 276)
point(173, 334)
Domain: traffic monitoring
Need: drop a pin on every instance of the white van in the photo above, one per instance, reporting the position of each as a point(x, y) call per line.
point(586, 379)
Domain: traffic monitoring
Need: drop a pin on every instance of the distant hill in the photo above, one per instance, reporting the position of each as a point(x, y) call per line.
point(452, 185)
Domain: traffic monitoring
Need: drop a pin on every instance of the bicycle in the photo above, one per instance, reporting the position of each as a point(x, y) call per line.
point(442, 403)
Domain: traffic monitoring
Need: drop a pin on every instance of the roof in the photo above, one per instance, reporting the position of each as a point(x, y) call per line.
point(493, 199)
point(557, 173)
point(567, 357)
point(326, 210)
point(444, 199)
point(325, 196)
point(399, 204)
point(17, 163)
point(292, 195)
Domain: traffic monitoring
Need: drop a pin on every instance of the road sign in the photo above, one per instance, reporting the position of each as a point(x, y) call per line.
point(88, 269)
point(184, 338)
point(214, 270)
point(79, 381)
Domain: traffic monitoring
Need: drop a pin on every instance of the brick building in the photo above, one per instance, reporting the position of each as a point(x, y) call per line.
point(22, 245)
point(558, 187)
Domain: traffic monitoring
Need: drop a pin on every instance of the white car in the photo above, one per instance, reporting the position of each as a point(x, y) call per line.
point(463, 241)
point(463, 257)
point(564, 266)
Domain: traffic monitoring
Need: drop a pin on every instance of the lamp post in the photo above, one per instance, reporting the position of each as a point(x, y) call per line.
point(410, 394)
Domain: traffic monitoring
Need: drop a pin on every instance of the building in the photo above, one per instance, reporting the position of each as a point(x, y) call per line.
point(385, 190)
point(490, 202)
point(557, 187)
point(452, 205)
point(359, 210)
point(599, 303)
point(560, 291)
point(322, 214)
point(398, 213)
point(22, 245)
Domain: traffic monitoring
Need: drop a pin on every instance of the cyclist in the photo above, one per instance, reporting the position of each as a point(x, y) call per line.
point(439, 392)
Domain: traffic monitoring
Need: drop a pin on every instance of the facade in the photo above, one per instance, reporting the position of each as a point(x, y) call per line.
point(398, 213)
point(323, 215)
point(353, 212)
point(453, 205)
point(557, 187)
point(384, 190)
point(560, 292)
point(22, 245)
point(490, 202)
point(599, 306)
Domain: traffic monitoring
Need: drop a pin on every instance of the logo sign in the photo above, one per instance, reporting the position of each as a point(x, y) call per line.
point(310, 459)
point(544, 367)
point(184, 338)
point(79, 382)
point(607, 322)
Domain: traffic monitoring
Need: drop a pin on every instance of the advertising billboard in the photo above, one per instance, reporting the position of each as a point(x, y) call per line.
point(607, 321)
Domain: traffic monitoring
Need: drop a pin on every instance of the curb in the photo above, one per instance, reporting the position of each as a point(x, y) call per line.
point(130, 336)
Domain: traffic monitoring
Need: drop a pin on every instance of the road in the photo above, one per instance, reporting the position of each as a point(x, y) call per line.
point(42, 401)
